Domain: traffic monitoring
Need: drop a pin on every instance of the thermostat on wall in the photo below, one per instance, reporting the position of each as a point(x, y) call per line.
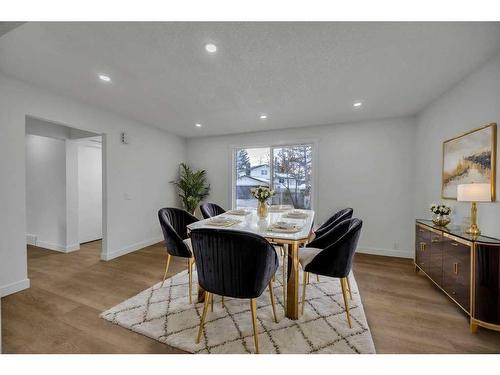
point(124, 138)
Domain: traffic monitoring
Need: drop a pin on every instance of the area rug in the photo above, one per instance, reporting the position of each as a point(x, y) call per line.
point(164, 314)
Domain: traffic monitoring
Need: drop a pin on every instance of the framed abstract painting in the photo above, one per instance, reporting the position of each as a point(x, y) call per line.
point(469, 158)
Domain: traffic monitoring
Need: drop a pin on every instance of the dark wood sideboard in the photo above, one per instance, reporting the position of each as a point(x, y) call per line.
point(464, 267)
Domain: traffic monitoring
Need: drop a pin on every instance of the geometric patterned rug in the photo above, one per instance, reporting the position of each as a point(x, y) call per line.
point(164, 314)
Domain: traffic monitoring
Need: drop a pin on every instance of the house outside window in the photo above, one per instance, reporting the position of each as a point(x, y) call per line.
point(287, 169)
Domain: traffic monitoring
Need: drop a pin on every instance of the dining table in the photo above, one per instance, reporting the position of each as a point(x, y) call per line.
point(247, 220)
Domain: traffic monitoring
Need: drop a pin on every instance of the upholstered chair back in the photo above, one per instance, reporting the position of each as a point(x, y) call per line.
point(333, 220)
point(210, 210)
point(233, 263)
point(339, 245)
point(174, 222)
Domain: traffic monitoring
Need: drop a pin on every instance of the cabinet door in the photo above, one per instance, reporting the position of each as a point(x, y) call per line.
point(487, 283)
point(422, 242)
point(456, 272)
point(436, 258)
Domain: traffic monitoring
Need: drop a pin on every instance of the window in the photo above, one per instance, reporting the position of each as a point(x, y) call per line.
point(287, 169)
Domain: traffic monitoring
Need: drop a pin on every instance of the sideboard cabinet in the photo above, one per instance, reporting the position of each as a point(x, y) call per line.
point(465, 267)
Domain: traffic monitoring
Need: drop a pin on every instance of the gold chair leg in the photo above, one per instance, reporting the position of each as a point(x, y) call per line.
point(349, 286)
point(253, 307)
point(343, 283)
point(307, 277)
point(271, 294)
point(208, 297)
point(317, 278)
point(166, 268)
point(212, 304)
point(304, 284)
point(222, 301)
point(190, 272)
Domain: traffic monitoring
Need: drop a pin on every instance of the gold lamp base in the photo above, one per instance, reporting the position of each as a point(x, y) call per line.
point(473, 229)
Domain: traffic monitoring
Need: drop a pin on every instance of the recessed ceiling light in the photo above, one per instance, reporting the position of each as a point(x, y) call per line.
point(198, 125)
point(263, 117)
point(210, 47)
point(104, 77)
point(357, 104)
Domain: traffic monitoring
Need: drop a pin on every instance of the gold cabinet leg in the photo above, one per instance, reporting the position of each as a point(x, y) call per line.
point(349, 286)
point(190, 272)
point(166, 268)
point(473, 327)
point(304, 284)
point(343, 283)
point(271, 294)
point(253, 307)
point(208, 297)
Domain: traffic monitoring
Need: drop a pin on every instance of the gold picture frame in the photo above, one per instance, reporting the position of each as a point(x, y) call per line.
point(465, 160)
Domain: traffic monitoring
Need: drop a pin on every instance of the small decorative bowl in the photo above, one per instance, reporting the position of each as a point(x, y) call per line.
point(441, 221)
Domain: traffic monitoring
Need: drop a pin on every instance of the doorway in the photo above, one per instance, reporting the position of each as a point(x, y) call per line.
point(64, 188)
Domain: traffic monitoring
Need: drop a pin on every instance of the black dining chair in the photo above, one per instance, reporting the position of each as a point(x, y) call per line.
point(331, 255)
point(333, 220)
point(174, 222)
point(234, 264)
point(209, 210)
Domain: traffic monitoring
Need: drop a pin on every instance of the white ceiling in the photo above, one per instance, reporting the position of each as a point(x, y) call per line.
point(300, 74)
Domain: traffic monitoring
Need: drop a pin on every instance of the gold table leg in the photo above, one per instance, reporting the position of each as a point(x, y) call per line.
point(292, 290)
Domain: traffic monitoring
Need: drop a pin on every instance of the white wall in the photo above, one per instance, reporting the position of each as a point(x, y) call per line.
point(89, 192)
point(46, 191)
point(368, 166)
point(140, 170)
point(473, 102)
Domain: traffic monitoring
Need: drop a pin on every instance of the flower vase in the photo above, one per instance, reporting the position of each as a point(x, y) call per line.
point(262, 209)
point(441, 220)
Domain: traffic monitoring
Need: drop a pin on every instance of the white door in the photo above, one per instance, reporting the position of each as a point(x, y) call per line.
point(90, 192)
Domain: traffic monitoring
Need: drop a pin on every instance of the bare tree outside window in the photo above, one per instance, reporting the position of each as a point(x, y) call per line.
point(289, 174)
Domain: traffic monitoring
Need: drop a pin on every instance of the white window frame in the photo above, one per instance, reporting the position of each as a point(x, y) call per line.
point(272, 146)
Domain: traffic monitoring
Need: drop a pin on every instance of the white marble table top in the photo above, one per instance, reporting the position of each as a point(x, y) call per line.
point(251, 223)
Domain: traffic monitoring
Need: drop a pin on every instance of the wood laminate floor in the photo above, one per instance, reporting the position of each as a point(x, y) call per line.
point(59, 313)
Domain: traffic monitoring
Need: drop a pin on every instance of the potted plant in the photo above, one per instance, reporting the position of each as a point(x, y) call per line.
point(262, 194)
point(441, 214)
point(193, 187)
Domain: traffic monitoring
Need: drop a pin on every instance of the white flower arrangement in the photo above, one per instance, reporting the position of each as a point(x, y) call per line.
point(262, 193)
point(440, 209)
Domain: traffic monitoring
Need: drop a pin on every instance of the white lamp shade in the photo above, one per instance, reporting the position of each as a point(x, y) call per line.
point(474, 193)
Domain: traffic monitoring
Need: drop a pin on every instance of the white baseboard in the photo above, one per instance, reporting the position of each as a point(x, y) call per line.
point(32, 239)
point(385, 252)
point(71, 248)
point(131, 248)
point(5, 290)
point(51, 246)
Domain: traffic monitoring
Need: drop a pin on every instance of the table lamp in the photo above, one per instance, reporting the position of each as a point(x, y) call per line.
point(474, 193)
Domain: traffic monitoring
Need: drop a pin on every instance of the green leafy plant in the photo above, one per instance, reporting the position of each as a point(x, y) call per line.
point(193, 187)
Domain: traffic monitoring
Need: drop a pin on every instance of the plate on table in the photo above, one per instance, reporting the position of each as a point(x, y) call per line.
point(222, 222)
point(280, 208)
point(285, 227)
point(239, 212)
point(296, 214)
